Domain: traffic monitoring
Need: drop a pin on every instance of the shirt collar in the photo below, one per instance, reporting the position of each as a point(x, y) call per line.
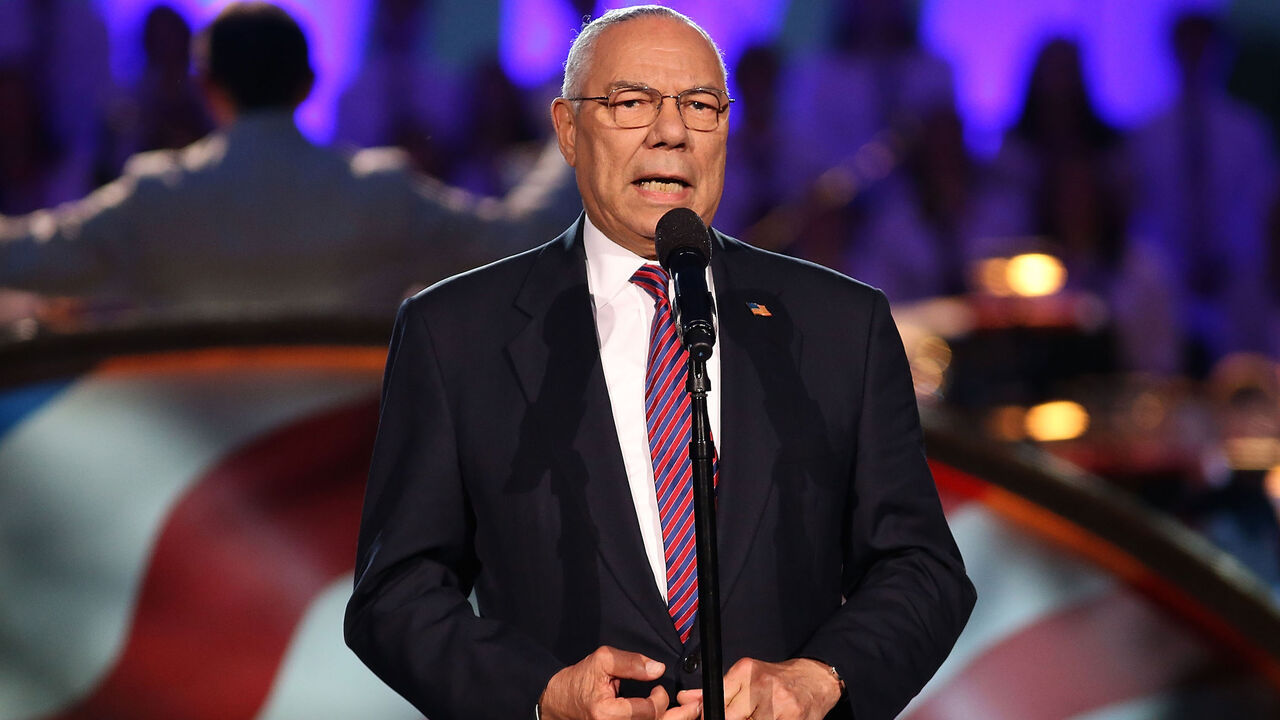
point(609, 265)
point(266, 121)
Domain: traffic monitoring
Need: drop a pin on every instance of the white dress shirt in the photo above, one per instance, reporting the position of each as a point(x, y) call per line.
point(624, 315)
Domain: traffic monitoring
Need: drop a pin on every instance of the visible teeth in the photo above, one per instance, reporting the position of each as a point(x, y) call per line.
point(661, 186)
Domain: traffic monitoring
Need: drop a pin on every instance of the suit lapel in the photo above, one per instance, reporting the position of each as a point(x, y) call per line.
point(556, 357)
point(751, 347)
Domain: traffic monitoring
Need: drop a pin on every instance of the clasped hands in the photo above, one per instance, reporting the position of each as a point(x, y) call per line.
point(799, 689)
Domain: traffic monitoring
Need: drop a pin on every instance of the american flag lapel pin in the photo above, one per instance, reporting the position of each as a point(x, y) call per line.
point(759, 309)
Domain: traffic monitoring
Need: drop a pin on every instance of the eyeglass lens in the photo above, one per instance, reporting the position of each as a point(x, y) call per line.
point(638, 107)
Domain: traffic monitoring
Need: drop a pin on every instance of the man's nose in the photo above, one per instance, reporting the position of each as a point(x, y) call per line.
point(668, 128)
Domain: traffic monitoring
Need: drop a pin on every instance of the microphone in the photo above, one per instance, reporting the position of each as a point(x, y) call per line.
point(684, 247)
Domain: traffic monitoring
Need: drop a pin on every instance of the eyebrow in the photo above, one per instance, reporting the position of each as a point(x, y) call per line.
point(623, 84)
point(634, 84)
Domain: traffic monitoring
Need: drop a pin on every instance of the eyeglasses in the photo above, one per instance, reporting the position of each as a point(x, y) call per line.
point(638, 106)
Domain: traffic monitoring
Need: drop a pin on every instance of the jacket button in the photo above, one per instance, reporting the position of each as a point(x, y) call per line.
point(690, 663)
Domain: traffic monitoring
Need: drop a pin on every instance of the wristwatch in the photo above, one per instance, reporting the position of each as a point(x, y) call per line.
point(836, 674)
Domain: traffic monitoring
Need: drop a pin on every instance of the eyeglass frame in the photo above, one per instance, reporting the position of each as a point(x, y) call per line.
point(604, 99)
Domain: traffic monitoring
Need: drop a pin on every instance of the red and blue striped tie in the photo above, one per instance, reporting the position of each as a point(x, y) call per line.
point(666, 409)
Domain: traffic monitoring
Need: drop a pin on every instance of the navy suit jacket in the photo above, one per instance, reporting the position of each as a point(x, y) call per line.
point(497, 467)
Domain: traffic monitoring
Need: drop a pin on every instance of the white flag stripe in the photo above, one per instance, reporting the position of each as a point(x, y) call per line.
point(89, 480)
point(321, 679)
point(1155, 707)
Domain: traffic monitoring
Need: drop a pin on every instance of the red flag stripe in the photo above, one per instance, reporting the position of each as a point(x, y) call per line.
point(237, 563)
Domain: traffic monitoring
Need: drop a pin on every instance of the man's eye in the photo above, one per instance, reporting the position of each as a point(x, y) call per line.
point(631, 100)
point(701, 103)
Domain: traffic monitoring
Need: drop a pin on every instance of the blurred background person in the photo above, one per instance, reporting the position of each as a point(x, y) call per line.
point(165, 109)
point(403, 95)
point(1205, 180)
point(921, 217)
point(255, 217)
point(1059, 140)
point(875, 74)
point(59, 48)
point(503, 141)
point(846, 119)
point(750, 181)
point(30, 151)
point(1059, 187)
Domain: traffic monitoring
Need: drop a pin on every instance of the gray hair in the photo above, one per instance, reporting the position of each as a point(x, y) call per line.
point(583, 45)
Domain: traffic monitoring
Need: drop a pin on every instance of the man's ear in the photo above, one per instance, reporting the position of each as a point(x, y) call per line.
point(218, 100)
point(565, 122)
point(304, 89)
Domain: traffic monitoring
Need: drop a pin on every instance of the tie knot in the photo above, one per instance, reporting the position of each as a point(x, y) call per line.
point(653, 280)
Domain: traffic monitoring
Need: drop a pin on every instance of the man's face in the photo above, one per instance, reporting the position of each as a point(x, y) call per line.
point(630, 177)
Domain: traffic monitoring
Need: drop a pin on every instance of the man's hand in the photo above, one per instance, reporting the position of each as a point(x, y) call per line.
point(17, 306)
point(800, 689)
point(588, 690)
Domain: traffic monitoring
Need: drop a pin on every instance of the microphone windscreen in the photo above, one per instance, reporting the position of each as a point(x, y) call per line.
point(681, 228)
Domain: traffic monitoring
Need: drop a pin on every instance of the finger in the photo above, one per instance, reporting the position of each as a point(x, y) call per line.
point(685, 697)
point(736, 680)
point(741, 706)
point(633, 666)
point(628, 709)
point(684, 711)
point(732, 686)
point(660, 699)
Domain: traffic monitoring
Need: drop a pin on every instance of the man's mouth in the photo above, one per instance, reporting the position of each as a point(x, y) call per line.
point(661, 184)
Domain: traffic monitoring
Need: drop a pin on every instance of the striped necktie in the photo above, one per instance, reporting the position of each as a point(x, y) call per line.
point(667, 414)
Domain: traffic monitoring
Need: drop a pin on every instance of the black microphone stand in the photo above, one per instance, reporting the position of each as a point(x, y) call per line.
point(702, 453)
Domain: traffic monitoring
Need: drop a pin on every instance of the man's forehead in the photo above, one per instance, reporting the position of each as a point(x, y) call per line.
point(627, 51)
point(637, 83)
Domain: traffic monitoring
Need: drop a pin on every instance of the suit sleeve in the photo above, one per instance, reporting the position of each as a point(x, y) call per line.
point(907, 594)
point(76, 248)
point(409, 619)
point(459, 230)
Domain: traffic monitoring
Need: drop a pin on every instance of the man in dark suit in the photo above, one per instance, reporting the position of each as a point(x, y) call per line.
point(514, 453)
